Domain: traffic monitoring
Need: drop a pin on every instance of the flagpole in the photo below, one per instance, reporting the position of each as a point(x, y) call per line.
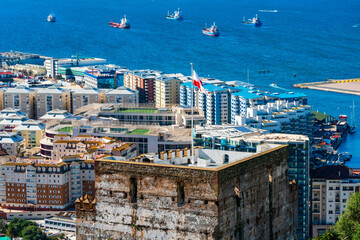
point(192, 114)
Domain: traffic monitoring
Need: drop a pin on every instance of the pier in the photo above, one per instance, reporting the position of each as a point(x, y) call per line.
point(346, 86)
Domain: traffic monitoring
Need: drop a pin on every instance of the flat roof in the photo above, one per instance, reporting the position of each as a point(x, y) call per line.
point(208, 159)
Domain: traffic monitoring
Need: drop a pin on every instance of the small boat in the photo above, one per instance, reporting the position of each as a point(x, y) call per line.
point(176, 16)
point(211, 31)
point(254, 21)
point(51, 18)
point(123, 24)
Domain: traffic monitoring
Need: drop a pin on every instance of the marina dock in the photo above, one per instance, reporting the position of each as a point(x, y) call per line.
point(347, 86)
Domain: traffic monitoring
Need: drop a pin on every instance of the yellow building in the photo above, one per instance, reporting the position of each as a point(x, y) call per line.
point(32, 131)
point(167, 90)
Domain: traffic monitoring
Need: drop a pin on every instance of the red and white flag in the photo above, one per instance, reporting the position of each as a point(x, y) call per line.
point(198, 83)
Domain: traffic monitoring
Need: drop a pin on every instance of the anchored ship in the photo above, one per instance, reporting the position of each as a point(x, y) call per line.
point(254, 21)
point(51, 18)
point(211, 31)
point(176, 16)
point(123, 23)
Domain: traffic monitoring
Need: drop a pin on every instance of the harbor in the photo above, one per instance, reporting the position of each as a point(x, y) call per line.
point(346, 86)
point(328, 135)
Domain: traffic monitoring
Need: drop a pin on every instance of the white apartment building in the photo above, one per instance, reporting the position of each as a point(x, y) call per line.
point(331, 188)
point(279, 116)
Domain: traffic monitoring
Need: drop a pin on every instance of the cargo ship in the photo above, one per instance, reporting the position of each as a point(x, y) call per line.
point(123, 24)
point(176, 16)
point(51, 18)
point(254, 21)
point(211, 31)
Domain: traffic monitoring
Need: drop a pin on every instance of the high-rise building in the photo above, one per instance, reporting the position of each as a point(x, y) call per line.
point(20, 97)
point(167, 90)
point(331, 188)
point(48, 99)
point(245, 139)
point(214, 105)
point(144, 82)
point(279, 116)
point(43, 186)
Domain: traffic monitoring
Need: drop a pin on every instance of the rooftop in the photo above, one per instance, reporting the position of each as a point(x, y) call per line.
point(319, 116)
point(121, 91)
point(224, 130)
point(331, 172)
point(137, 110)
point(205, 159)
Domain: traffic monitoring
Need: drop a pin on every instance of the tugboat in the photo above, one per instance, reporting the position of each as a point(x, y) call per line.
point(254, 21)
point(176, 16)
point(123, 24)
point(51, 18)
point(211, 31)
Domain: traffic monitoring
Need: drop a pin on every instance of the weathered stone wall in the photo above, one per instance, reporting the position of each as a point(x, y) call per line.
point(256, 200)
point(239, 201)
point(156, 214)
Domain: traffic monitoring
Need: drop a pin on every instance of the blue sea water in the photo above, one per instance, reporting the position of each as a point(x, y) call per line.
point(313, 40)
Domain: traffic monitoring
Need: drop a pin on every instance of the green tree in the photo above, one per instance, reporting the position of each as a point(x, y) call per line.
point(32, 232)
point(329, 235)
point(348, 225)
point(3, 226)
point(11, 232)
point(18, 225)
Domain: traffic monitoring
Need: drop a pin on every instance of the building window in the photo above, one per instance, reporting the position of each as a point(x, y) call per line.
point(180, 194)
point(133, 190)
